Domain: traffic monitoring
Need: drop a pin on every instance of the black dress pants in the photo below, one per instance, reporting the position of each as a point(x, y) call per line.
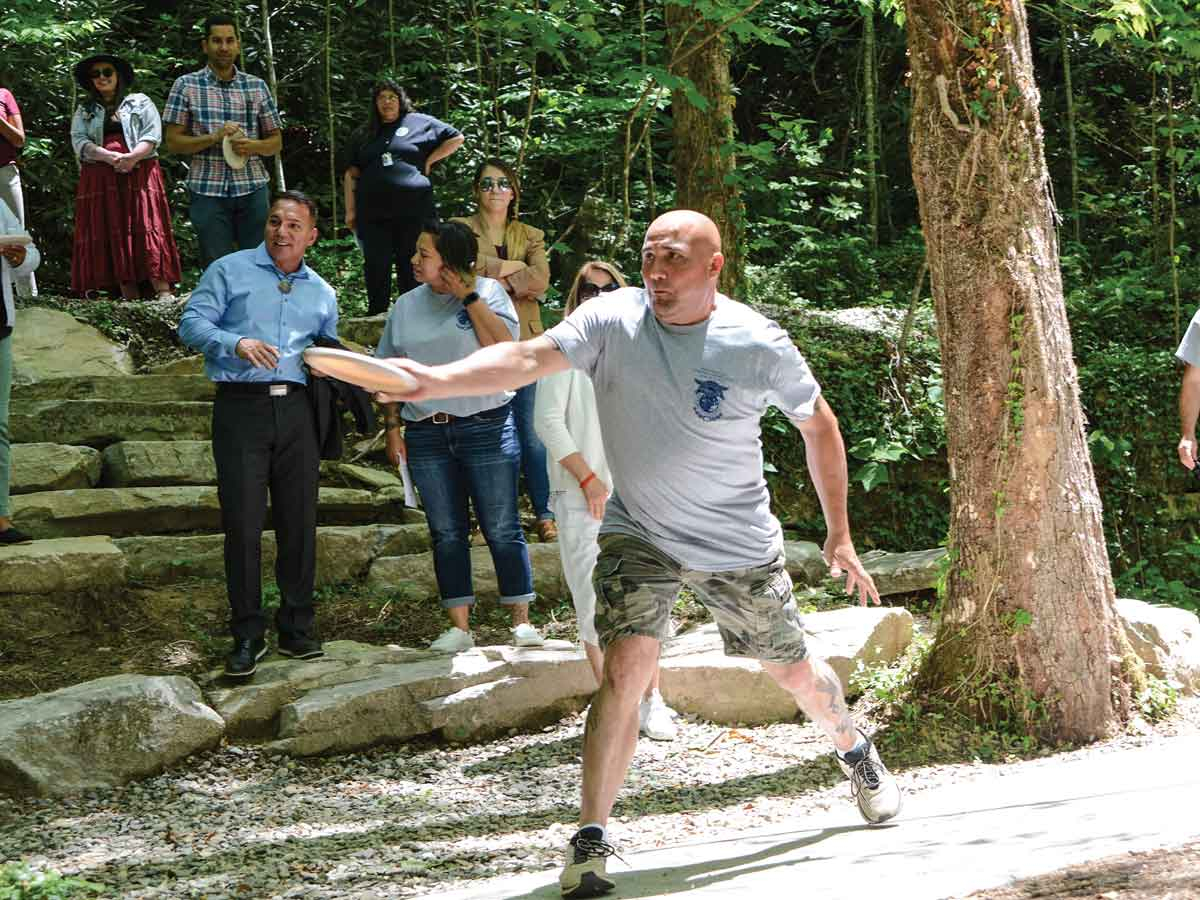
point(263, 443)
point(386, 243)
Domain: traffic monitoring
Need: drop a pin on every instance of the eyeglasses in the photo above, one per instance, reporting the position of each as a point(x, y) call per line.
point(107, 72)
point(587, 290)
point(489, 184)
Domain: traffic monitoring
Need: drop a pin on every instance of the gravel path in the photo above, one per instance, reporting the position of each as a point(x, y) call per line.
point(415, 819)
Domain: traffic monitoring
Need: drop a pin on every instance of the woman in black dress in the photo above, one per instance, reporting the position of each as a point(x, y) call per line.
point(387, 190)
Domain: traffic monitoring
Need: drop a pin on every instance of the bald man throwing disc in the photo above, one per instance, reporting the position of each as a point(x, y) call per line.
point(683, 375)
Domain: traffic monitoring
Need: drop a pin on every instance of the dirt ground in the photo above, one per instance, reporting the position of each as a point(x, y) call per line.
point(1169, 874)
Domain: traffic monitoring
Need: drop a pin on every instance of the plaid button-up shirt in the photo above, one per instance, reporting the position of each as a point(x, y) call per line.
point(202, 104)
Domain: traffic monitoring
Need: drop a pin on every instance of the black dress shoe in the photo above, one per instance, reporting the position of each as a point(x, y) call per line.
point(13, 535)
point(242, 661)
point(300, 647)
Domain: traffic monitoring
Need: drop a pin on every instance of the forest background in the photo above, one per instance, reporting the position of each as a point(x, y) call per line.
point(587, 96)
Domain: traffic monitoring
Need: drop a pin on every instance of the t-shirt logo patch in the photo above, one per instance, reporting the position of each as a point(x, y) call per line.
point(402, 131)
point(463, 320)
point(709, 395)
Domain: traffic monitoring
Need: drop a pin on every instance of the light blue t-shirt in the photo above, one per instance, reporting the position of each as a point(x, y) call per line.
point(1189, 347)
point(679, 410)
point(434, 329)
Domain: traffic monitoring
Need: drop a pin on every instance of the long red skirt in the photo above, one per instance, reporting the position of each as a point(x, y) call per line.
point(122, 226)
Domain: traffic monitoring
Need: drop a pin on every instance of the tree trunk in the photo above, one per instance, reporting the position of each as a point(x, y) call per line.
point(269, 53)
point(704, 160)
point(1072, 142)
point(1172, 208)
point(869, 93)
point(1029, 634)
point(333, 179)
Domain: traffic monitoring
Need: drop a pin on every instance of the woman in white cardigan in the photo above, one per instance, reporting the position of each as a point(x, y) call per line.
point(566, 421)
point(17, 260)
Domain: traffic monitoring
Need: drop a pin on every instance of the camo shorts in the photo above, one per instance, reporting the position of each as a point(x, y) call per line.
point(636, 586)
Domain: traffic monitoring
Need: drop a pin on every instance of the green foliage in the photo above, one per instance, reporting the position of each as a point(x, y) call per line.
point(1158, 700)
point(19, 881)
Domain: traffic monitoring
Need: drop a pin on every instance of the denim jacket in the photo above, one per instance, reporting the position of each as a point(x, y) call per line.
point(139, 121)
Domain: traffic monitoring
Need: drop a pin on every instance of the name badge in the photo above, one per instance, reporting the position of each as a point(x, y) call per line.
point(386, 159)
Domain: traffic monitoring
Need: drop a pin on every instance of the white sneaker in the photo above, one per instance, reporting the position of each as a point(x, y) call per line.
point(871, 784)
point(525, 635)
point(452, 640)
point(657, 720)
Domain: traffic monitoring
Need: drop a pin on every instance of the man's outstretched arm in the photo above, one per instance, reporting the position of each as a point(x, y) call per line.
point(825, 453)
point(1189, 409)
point(500, 367)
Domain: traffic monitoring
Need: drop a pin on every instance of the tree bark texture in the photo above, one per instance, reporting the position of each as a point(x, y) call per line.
point(704, 161)
point(1029, 632)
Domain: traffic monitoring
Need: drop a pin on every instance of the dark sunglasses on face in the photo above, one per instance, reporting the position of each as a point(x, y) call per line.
point(104, 73)
point(494, 184)
point(587, 290)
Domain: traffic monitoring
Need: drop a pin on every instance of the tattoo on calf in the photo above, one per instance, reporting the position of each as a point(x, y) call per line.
point(838, 716)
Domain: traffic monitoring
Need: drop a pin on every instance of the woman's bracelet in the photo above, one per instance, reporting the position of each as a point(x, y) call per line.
point(583, 483)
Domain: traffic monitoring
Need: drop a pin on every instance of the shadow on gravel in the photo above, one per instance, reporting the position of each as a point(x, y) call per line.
point(677, 879)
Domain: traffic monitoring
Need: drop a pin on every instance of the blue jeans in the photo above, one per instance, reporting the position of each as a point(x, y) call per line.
point(533, 452)
point(475, 459)
point(225, 224)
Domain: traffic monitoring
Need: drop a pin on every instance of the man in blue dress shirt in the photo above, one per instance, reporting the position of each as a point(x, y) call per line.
point(252, 315)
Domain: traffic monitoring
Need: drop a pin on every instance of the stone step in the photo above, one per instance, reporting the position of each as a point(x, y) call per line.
point(62, 565)
point(165, 510)
point(98, 423)
point(167, 463)
point(53, 467)
point(413, 575)
point(344, 553)
point(142, 388)
point(364, 330)
point(894, 573)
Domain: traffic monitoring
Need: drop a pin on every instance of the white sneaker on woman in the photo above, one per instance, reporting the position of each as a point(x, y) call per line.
point(525, 635)
point(452, 640)
point(657, 720)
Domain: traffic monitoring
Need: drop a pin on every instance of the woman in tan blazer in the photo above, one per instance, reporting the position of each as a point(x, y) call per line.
point(515, 255)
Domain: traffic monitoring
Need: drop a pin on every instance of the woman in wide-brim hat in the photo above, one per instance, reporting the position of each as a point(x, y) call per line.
point(123, 235)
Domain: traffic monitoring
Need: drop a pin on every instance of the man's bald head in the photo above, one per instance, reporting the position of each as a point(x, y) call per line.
point(695, 226)
point(681, 260)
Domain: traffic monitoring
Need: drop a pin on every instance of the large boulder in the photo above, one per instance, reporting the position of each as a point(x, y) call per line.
point(159, 463)
point(344, 553)
point(55, 345)
point(101, 734)
point(98, 423)
point(414, 574)
point(697, 677)
point(1167, 639)
point(64, 565)
point(52, 467)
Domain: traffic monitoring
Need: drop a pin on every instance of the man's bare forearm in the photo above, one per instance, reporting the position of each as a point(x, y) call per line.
point(500, 367)
point(1189, 402)
point(825, 453)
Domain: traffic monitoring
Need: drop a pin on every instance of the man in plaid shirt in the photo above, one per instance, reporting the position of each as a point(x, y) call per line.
point(229, 206)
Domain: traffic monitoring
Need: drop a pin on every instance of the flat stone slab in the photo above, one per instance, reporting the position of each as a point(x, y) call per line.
point(98, 423)
point(364, 330)
point(697, 677)
point(142, 388)
point(101, 734)
point(186, 365)
point(414, 575)
point(894, 573)
point(159, 464)
point(53, 467)
point(165, 510)
point(54, 344)
point(344, 553)
point(359, 476)
point(62, 565)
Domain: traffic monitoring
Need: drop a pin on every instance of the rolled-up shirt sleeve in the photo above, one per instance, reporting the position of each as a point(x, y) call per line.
point(1189, 347)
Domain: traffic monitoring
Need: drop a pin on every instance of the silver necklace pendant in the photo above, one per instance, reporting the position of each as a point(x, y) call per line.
point(285, 286)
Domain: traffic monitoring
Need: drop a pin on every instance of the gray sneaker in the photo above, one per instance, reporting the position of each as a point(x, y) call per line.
point(871, 784)
point(587, 860)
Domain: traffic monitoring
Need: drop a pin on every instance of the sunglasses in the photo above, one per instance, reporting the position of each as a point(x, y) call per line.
point(587, 290)
point(107, 72)
point(490, 184)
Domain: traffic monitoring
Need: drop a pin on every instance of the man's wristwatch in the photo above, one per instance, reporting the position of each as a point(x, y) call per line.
point(470, 298)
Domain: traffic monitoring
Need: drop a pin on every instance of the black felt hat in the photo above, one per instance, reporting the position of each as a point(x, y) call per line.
point(83, 69)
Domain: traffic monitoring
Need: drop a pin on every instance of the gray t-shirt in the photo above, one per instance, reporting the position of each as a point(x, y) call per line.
point(436, 328)
point(1189, 347)
point(679, 410)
